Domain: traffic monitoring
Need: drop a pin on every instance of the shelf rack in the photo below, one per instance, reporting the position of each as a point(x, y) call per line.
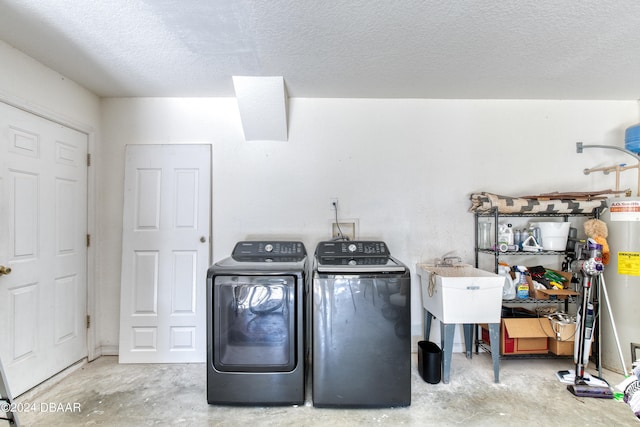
point(495, 215)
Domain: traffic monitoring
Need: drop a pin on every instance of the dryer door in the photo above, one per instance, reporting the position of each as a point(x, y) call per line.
point(254, 326)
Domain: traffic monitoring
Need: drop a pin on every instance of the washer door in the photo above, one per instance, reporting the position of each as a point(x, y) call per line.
point(254, 326)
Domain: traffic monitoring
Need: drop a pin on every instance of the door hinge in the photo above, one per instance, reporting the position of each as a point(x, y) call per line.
point(88, 159)
point(88, 240)
point(88, 321)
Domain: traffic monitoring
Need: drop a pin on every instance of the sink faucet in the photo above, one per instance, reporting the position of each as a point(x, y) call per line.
point(448, 261)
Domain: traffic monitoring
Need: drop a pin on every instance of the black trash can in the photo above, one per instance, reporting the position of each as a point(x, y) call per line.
point(429, 361)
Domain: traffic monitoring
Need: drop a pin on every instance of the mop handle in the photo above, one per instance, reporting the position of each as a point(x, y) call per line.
point(613, 324)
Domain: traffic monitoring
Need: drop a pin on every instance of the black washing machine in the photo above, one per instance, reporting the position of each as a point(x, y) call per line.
point(361, 323)
point(256, 325)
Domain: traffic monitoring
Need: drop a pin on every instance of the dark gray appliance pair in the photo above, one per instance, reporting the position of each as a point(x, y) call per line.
point(256, 325)
point(361, 316)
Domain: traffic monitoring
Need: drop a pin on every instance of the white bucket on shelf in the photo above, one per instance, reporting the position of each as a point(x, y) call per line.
point(554, 235)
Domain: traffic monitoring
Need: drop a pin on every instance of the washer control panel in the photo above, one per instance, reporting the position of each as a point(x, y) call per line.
point(352, 249)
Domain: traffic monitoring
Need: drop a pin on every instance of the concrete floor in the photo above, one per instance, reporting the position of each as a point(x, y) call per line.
point(104, 392)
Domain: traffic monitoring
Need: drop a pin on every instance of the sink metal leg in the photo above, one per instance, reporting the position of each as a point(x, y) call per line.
point(494, 336)
point(468, 338)
point(447, 332)
point(427, 324)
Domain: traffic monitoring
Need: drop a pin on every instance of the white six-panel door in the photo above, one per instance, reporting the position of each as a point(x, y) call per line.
point(165, 253)
point(43, 229)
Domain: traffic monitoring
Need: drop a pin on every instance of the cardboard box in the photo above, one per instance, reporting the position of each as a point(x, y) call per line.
point(561, 348)
point(562, 342)
point(559, 331)
point(520, 336)
point(553, 294)
point(532, 336)
point(523, 336)
point(561, 294)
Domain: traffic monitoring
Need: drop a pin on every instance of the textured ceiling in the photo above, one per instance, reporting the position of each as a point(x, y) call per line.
point(475, 49)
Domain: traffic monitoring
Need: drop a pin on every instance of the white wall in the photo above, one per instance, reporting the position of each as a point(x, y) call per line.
point(32, 86)
point(403, 168)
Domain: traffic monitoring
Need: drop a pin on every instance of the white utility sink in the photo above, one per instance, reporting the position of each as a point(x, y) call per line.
point(461, 293)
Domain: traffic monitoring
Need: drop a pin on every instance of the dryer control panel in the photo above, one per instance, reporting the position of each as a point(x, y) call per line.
point(269, 248)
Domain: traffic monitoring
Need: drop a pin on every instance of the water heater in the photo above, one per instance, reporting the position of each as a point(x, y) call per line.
point(622, 282)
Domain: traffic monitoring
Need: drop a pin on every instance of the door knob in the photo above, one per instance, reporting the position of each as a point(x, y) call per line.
point(203, 239)
point(4, 270)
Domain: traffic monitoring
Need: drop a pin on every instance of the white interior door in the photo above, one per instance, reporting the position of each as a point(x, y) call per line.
point(43, 229)
point(165, 253)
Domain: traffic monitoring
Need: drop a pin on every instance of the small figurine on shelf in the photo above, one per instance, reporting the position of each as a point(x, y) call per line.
point(597, 230)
